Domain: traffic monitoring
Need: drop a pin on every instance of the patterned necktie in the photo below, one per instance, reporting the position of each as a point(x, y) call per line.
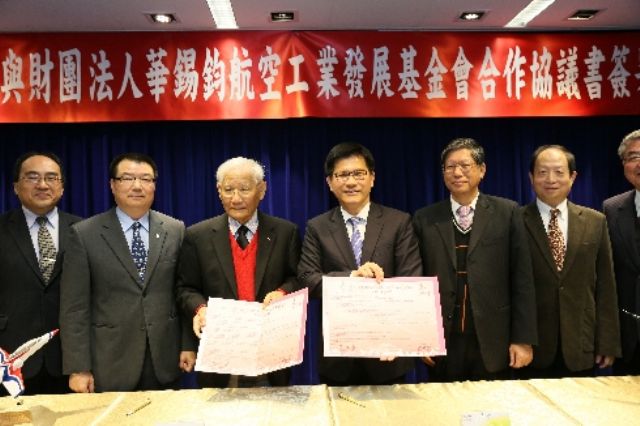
point(464, 217)
point(138, 251)
point(556, 240)
point(46, 249)
point(242, 239)
point(356, 238)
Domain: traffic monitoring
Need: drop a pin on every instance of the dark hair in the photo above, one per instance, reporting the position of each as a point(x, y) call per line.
point(24, 157)
point(571, 159)
point(135, 157)
point(477, 151)
point(346, 150)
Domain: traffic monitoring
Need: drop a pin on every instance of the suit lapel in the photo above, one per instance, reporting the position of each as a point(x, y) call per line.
point(338, 231)
point(372, 233)
point(535, 226)
point(576, 231)
point(443, 223)
point(626, 224)
point(266, 240)
point(113, 235)
point(64, 223)
point(222, 249)
point(20, 233)
point(481, 218)
point(157, 237)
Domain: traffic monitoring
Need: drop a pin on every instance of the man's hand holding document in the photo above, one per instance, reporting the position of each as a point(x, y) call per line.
point(399, 317)
point(247, 338)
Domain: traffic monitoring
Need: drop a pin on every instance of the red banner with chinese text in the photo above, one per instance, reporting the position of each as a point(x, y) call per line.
point(77, 77)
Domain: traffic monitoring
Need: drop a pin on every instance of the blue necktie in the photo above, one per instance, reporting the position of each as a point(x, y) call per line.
point(138, 251)
point(356, 238)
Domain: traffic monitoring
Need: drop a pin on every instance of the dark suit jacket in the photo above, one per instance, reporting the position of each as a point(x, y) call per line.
point(107, 314)
point(499, 272)
point(326, 250)
point(28, 307)
point(578, 303)
point(621, 218)
point(206, 264)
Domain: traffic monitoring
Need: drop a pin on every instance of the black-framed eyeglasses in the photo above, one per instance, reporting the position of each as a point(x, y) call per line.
point(359, 174)
point(129, 180)
point(35, 178)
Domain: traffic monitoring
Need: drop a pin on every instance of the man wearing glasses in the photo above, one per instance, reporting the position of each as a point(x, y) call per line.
point(477, 247)
point(32, 245)
point(120, 326)
point(359, 239)
point(623, 217)
point(242, 254)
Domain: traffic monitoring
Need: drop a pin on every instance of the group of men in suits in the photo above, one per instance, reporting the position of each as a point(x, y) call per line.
point(531, 288)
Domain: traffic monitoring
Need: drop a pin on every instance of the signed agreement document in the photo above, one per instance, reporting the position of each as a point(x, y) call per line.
point(398, 317)
point(243, 338)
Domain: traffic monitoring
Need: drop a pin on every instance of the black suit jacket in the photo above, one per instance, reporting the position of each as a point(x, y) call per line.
point(500, 278)
point(620, 211)
point(576, 306)
point(206, 265)
point(28, 307)
point(326, 250)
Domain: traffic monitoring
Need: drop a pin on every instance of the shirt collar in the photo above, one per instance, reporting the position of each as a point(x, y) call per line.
point(126, 221)
point(52, 217)
point(363, 213)
point(252, 224)
point(637, 202)
point(456, 205)
point(545, 209)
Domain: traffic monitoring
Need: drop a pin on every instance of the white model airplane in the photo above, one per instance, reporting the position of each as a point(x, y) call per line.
point(11, 364)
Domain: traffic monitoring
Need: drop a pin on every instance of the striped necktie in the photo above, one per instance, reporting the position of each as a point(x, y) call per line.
point(356, 238)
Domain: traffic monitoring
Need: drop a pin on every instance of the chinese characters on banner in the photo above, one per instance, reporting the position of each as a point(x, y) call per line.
point(228, 75)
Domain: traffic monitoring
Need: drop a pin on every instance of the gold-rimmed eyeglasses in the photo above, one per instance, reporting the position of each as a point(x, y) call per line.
point(35, 178)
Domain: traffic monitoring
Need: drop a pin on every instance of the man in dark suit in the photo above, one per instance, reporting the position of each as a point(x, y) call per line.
point(242, 254)
point(120, 326)
point(476, 245)
point(387, 248)
point(573, 274)
point(30, 286)
point(623, 216)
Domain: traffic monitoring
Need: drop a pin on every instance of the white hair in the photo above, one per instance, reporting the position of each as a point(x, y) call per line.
point(626, 141)
point(240, 163)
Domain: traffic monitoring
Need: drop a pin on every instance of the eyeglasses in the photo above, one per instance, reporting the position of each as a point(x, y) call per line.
point(632, 157)
point(243, 192)
point(34, 179)
point(359, 174)
point(128, 180)
point(451, 168)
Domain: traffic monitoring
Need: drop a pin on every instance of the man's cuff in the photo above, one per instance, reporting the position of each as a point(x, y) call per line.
point(203, 305)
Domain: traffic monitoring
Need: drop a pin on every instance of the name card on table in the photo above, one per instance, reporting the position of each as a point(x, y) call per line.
point(245, 338)
point(399, 317)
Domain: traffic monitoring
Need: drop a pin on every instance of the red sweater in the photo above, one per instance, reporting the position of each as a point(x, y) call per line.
point(244, 264)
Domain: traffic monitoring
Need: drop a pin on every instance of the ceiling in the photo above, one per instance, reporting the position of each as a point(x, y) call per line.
point(413, 15)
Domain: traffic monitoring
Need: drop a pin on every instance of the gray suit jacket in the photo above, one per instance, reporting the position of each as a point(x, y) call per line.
point(107, 314)
point(499, 272)
point(620, 211)
point(576, 306)
point(28, 307)
point(326, 250)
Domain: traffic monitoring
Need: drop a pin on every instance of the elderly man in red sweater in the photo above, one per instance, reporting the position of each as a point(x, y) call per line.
point(242, 254)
